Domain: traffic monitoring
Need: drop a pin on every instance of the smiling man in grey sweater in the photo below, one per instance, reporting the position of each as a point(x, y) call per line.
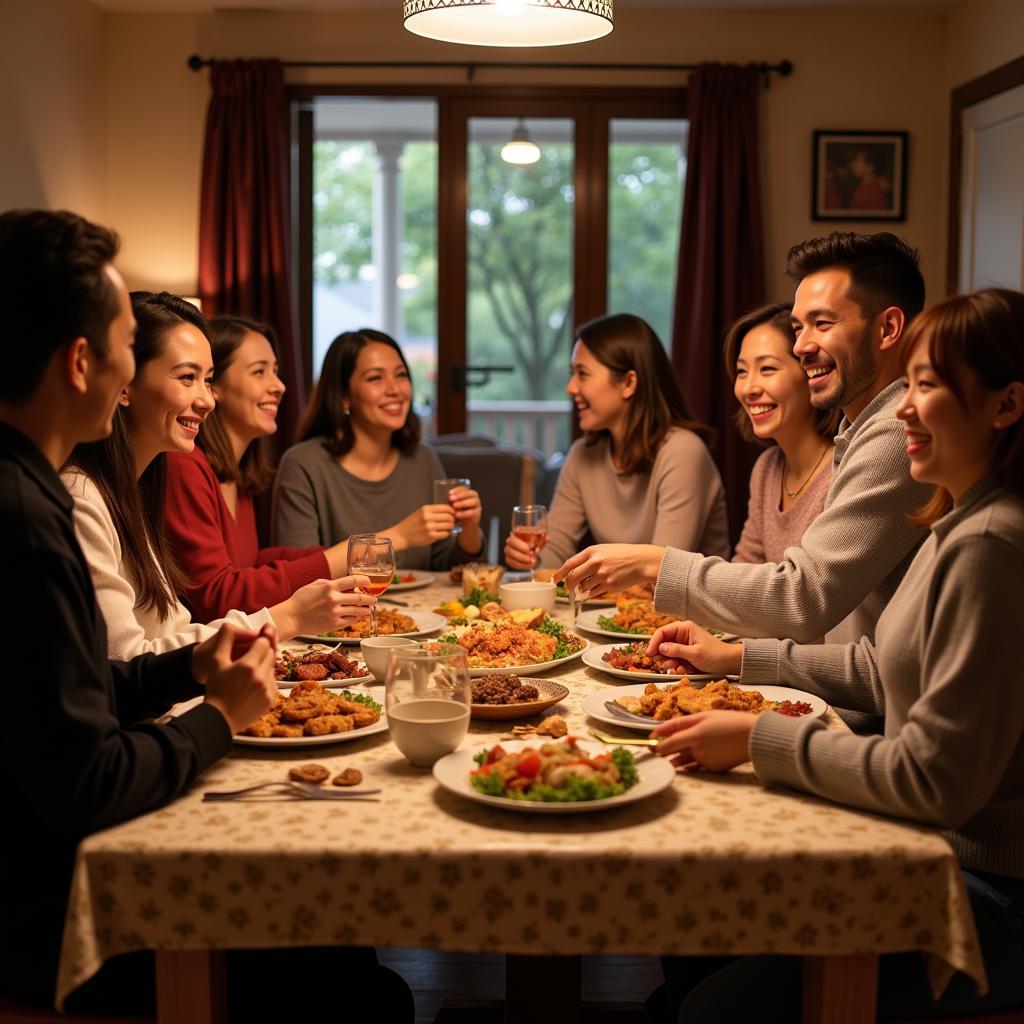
point(855, 296)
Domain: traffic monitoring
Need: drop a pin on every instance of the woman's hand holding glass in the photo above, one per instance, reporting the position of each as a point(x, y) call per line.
point(323, 606)
point(422, 527)
point(372, 557)
point(692, 649)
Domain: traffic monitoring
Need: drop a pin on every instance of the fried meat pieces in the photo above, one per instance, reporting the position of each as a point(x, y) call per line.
point(311, 710)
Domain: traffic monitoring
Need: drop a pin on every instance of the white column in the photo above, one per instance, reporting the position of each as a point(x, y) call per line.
point(387, 237)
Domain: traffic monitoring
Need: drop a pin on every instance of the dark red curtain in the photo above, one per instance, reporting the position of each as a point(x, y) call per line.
point(721, 264)
point(244, 216)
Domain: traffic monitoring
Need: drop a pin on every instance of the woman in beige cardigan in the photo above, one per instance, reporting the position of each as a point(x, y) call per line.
point(117, 485)
point(943, 668)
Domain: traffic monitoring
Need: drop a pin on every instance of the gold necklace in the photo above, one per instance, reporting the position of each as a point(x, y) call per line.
point(793, 494)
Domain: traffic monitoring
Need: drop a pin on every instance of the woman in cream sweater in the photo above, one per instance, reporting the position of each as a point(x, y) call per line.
point(943, 668)
point(118, 485)
point(642, 473)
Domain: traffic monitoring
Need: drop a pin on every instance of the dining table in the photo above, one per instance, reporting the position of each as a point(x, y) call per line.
point(714, 864)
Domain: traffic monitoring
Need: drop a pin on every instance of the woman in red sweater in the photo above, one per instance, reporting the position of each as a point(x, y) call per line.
point(211, 524)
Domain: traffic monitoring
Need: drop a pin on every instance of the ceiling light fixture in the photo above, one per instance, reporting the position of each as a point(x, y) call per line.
point(520, 149)
point(509, 22)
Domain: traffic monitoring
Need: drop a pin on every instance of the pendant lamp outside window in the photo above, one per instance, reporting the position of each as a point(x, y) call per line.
point(509, 22)
point(520, 149)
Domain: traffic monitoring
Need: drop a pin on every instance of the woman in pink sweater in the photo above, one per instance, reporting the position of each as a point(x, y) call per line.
point(790, 480)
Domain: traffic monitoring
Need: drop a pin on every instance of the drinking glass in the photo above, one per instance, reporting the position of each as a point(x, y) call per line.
point(530, 524)
point(374, 557)
point(427, 694)
point(441, 489)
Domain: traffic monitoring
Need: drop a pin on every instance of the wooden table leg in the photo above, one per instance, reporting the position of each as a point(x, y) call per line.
point(840, 989)
point(542, 989)
point(191, 988)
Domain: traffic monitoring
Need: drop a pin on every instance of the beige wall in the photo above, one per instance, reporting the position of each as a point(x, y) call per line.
point(52, 112)
point(850, 74)
point(983, 35)
point(863, 70)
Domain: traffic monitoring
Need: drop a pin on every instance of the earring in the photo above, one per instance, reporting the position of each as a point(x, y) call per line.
point(344, 410)
point(123, 399)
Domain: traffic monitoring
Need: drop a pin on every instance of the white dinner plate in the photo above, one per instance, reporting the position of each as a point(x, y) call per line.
point(426, 623)
point(528, 670)
point(452, 772)
point(330, 684)
point(593, 655)
point(423, 579)
point(588, 621)
point(594, 704)
point(381, 725)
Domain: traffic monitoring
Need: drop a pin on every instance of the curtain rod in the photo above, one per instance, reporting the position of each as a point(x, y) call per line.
point(783, 68)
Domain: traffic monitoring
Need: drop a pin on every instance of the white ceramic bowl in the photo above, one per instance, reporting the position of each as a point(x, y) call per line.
point(377, 651)
point(528, 594)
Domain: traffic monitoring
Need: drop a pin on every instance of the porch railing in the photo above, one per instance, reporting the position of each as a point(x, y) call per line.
point(541, 425)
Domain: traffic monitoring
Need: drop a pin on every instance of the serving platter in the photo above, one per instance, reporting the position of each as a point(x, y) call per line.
point(330, 684)
point(550, 694)
point(381, 725)
point(452, 774)
point(594, 704)
point(528, 670)
point(426, 623)
point(588, 621)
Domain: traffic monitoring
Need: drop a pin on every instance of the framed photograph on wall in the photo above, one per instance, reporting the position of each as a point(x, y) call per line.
point(859, 176)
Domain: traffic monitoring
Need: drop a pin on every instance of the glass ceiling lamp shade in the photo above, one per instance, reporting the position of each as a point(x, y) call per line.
point(509, 22)
point(520, 149)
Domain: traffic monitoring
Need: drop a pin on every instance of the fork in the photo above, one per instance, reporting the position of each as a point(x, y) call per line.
point(619, 742)
point(629, 716)
point(290, 787)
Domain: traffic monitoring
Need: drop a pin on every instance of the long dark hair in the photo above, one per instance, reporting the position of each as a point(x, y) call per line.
point(776, 316)
point(254, 472)
point(983, 332)
point(137, 507)
point(325, 414)
point(624, 342)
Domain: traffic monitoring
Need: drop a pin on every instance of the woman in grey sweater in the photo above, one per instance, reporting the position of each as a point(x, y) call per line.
point(359, 466)
point(943, 669)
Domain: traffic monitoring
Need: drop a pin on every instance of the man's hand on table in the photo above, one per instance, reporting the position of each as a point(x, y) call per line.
point(692, 649)
point(237, 667)
point(715, 740)
point(607, 568)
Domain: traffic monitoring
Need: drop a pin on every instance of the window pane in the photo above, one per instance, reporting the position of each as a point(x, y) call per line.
point(375, 228)
point(520, 274)
point(646, 173)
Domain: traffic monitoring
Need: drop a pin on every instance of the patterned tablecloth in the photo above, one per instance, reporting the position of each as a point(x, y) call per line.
point(716, 864)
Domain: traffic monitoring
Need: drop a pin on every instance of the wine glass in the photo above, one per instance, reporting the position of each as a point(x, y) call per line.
point(373, 557)
point(530, 525)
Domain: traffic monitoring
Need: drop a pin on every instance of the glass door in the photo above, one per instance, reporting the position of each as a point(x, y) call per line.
point(519, 296)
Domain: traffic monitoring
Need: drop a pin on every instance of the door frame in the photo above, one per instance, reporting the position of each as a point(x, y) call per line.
point(591, 108)
point(1002, 79)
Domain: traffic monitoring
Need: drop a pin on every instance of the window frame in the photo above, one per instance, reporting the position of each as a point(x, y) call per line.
point(592, 109)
